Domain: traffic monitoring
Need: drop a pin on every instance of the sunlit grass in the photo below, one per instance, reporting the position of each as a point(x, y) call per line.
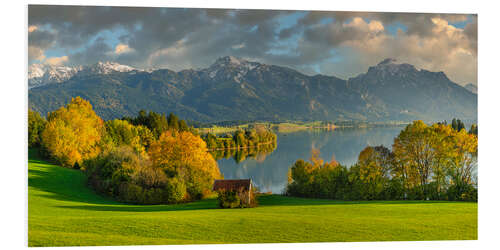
point(62, 211)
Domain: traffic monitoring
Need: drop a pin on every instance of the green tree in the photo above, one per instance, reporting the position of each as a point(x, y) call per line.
point(473, 129)
point(183, 126)
point(173, 121)
point(36, 124)
point(121, 132)
point(375, 164)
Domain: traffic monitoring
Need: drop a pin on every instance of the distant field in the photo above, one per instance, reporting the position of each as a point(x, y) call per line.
point(62, 211)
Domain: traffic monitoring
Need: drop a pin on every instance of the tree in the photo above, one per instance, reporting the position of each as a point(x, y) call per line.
point(173, 121)
point(457, 124)
point(413, 149)
point(121, 132)
point(443, 145)
point(375, 164)
point(73, 133)
point(36, 124)
point(473, 129)
point(183, 126)
point(184, 156)
point(460, 125)
point(463, 163)
point(454, 124)
point(156, 123)
point(239, 138)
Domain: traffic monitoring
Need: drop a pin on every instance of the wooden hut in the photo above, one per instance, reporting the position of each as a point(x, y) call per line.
point(243, 187)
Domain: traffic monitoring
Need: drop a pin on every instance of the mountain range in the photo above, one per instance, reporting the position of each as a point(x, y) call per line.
point(237, 89)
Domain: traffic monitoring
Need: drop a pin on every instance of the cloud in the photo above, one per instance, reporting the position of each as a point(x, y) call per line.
point(56, 61)
point(170, 54)
point(35, 53)
point(32, 28)
point(337, 43)
point(122, 49)
point(238, 46)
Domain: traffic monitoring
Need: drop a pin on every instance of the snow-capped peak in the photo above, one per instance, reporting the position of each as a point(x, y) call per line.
point(36, 70)
point(390, 66)
point(42, 74)
point(108, 67)
point(230, 67)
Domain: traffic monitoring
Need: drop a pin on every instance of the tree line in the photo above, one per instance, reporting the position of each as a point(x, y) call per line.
point(148, 159)
point(436, 162)
point(252, 137)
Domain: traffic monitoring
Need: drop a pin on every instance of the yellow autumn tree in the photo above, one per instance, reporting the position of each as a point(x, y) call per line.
point(72, 133)
point(184, 155)
point(464, 161)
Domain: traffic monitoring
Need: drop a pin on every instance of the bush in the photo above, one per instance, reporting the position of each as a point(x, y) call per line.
point(237, 199)
point(176, 190)
point(462, 192)
point(228, 199)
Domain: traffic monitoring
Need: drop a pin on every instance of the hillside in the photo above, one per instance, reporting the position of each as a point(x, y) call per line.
point(62, 211)
point(236, 89)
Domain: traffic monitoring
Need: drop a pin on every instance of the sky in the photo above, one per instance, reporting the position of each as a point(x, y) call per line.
point(342, 44)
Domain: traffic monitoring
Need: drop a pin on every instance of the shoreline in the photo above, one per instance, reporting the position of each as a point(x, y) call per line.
point(223, 149)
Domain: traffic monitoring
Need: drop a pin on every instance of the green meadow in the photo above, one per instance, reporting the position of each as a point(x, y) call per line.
point(63, 211)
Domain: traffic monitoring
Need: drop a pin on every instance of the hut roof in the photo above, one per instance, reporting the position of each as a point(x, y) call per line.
point(235, 184)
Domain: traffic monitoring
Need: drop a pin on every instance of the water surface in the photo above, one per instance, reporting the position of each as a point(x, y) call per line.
point(269, 172)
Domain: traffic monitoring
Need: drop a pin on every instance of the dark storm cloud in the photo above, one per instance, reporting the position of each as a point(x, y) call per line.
point(184, 38)
point(97, 51)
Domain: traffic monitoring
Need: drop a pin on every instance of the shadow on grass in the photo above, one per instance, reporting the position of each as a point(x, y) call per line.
point(197, 205)
point(65, 184)
point(264, 201)
point(280, 200)
point(62, 184)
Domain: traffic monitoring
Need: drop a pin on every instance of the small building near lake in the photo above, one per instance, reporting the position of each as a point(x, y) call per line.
point(242, 188)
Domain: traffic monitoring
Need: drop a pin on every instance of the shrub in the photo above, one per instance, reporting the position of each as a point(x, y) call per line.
point(228, 199)
point(176, 190)
point(237, 198)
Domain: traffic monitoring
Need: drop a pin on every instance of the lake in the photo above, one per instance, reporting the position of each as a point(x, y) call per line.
point(269, 172)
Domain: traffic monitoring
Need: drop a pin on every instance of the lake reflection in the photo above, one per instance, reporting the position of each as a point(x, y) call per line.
point(269, 171)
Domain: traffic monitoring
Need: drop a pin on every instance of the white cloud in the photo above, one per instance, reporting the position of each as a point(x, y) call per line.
point(238, 46)
point(447, 49)
point(56, 61)
point(122, 49)
point(171, 57)
point(358, 23)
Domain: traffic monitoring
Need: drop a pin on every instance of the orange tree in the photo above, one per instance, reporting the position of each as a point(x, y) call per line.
point(184, 156)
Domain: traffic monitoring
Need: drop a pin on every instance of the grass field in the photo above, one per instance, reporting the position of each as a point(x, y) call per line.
point(62, 211)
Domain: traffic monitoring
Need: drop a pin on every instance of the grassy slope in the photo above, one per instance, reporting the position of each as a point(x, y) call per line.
point(62, 211)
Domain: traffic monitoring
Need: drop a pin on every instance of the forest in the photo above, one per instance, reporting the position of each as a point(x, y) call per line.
point(436, 162)
point(158, 159)
point(148, 159)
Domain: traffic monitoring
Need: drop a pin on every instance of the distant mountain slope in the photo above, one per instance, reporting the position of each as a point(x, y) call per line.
point(471, 87)
point(402, 92)
point(236, 89)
